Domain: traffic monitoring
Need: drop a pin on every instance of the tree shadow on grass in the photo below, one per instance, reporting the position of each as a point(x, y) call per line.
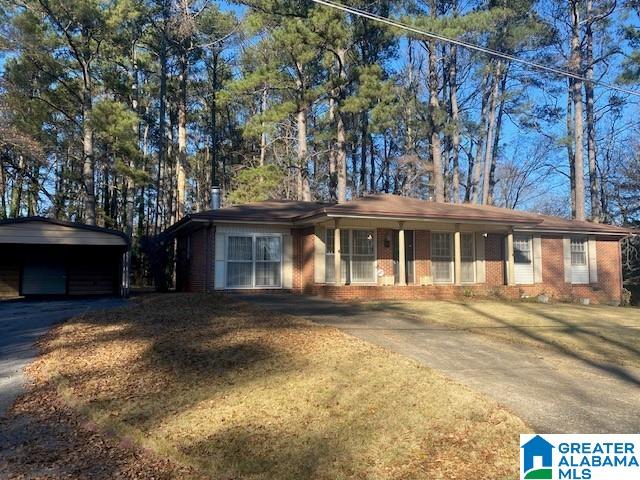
point(619, 372)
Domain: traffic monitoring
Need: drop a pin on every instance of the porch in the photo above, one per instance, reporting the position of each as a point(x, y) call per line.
point(381, 253)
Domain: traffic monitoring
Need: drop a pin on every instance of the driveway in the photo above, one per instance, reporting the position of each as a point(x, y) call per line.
point(22, 323)
point(554, 393)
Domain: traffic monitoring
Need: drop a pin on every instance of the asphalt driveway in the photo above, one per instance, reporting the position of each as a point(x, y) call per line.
point(22, 323)
point(554, 393)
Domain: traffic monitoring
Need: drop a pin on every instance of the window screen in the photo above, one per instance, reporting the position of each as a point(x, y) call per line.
point(467, 254)
point(441, 257)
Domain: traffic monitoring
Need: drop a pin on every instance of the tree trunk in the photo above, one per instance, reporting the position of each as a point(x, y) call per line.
point(304, 192)
point(214, 127)
point(16, 191)
point(570, 150)
point(434, 106)
point(364, 127)
point(88, 165)
point(491, 127)
point(341, 137)
point(496, 137)
point(452, 73)
point(333, 170)
point(181, 185)
point(372, 167)
point(162, 127)
point(592, 152)
point(477, 163)
point(263, 135)
point(576, 95)
point(470, 171)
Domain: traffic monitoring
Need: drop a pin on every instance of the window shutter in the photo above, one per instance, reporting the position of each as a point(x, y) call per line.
point(481, 276)
point(537, 259)
point(593, 261)
point(319, 249)
point(220, 252)
point(566, 247)
point(287, 263)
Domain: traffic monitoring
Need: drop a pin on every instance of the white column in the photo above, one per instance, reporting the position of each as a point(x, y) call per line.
point(402, 274)
point(511, 274)
point(336, 253)
point(457, 256)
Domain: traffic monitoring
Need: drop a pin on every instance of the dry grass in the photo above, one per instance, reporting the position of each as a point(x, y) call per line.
point(595, 333)
point(234, 392)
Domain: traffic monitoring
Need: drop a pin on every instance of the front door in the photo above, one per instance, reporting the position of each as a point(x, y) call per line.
point(409, 256)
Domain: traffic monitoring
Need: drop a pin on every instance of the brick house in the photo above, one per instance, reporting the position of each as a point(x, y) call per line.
point(392, 247)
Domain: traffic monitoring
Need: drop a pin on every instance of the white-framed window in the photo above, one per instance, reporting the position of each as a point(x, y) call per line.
point(579, 260)
point(254, 261)
point(442, 257)
point(468, 258)
point(523, 259)
point(357, 256)
point(363, 256)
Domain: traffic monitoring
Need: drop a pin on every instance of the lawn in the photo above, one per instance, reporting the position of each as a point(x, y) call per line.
point(230, 391)
point(595, 333)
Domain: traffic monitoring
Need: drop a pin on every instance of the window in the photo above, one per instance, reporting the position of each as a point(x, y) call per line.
point(522, 250)
point(362, 256)
point(240, 262)
point(267, 261)
point(357, 256)
point(523, 259)
point(254, 261)
point(579, 261)
point(441, 257)
point(578, 252)
point(467, 256)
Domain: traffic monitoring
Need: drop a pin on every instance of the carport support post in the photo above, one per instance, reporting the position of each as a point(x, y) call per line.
point(457, 256)
point(336, 253)
point(402, 275)
point(510, 260)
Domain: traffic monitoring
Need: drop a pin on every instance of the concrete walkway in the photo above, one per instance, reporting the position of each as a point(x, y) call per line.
point(22, 323)
point(554, 393)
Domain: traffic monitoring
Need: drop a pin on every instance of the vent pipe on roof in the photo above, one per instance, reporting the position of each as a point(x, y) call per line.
point(215, 198)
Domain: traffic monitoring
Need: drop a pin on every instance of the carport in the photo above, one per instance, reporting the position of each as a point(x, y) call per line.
point(45, 257)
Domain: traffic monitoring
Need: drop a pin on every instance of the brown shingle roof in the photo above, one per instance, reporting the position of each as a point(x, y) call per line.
point(269, 210)
point(397, 207)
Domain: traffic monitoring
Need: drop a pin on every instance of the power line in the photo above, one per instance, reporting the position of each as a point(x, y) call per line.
point(471, 46)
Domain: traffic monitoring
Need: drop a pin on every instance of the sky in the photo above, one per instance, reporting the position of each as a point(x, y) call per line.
point(515, 141)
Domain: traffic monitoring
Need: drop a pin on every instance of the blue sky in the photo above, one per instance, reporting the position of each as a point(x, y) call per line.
point(517, 142)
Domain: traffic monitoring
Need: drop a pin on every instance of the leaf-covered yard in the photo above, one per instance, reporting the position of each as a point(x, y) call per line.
point(222, 390)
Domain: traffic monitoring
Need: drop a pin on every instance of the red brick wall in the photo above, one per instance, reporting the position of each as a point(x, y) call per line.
point(494, 259)
point(194, 272)
point(385, 253)
point(303, 257)
point(609, 267)
point(553, 264)
point(422, 251)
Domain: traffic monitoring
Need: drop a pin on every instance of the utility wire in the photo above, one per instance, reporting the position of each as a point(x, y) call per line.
point(471, 46)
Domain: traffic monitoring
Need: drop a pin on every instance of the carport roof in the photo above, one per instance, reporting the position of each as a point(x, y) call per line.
point(37, 230)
